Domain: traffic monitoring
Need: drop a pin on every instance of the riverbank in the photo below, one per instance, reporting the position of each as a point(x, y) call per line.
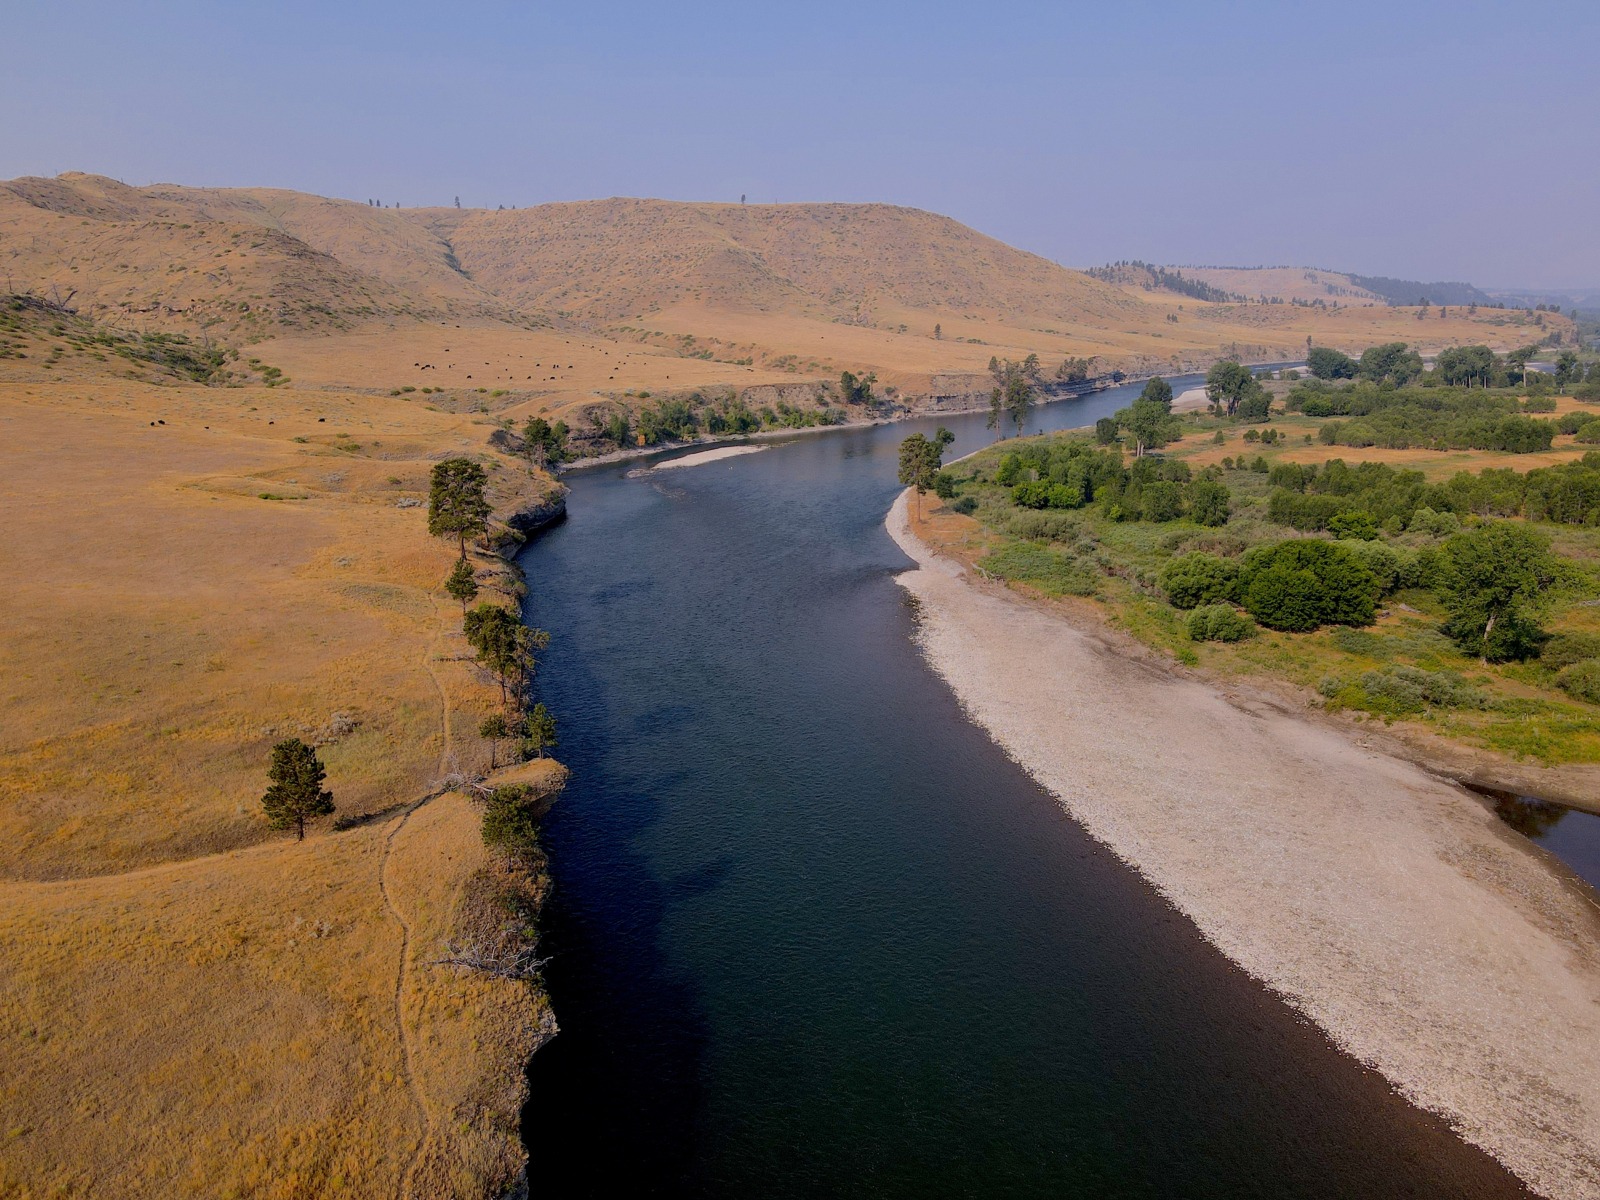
point(1389, 906)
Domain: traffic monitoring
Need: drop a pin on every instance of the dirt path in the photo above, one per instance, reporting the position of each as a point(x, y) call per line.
point(403, 972)
point(1389, 906)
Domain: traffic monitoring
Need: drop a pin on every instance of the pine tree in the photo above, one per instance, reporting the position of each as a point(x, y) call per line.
point(541, 730)
point(462, 584)
point(494, 727)
point(457, 505)
point(296, 794)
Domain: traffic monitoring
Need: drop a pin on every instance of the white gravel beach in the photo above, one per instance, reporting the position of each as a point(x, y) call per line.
point(1391, 908)
point(706, 456)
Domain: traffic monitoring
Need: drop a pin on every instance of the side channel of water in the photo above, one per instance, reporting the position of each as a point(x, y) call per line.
point(813, 934)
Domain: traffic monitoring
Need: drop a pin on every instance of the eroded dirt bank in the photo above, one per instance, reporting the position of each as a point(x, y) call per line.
point(1389, 906)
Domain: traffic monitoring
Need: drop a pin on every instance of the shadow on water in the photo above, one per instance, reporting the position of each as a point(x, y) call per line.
point(1570, 834)
point(813, 934)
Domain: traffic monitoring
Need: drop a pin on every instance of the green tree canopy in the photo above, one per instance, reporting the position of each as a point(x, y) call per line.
point(1462, 366)
point(295, 795)
point(1148, 424)
point(462, 584)
point(457, 504)
point(1305, 583)
point(1493, 580)
point(1394, 362)
point(1327, 363)
point(1227, 383)
point(920, 460)
point(1016, 387)
point(1159, 391)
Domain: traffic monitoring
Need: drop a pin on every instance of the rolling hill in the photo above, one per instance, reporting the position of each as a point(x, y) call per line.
point(571, 305)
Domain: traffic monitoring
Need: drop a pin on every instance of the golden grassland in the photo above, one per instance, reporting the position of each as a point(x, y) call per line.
point(190, 1004)
point(1543, 742)
point(566, 306)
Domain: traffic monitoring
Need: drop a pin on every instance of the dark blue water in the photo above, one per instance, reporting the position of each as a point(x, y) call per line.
point(813, 935)
point(1571, 835)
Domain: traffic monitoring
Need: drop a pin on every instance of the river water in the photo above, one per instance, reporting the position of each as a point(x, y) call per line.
point(814, 935)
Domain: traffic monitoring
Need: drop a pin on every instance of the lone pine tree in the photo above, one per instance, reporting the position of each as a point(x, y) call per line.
point(296, 794)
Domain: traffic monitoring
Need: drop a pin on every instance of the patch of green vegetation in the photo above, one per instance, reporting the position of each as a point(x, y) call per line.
point(1390, 619)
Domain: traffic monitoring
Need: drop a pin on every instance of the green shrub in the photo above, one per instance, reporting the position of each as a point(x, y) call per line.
point(1219, 623)
point(1435, 524)
point(1570, 423)
point(944, 485)
point(511, 818)
point(1400, 690)
point(1040, 526)
point(1353, 523)
point(1049, 570)
point(1581, 680)
point(1303, 584)
point(1209, 502)
point(1161, 501)
point(965, 505)
point(1384, 563)
point(1565, 649)
point(1198, 578)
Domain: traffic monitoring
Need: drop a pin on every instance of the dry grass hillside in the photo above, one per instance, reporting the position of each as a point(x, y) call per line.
point(191, 1004)
point(1306, 284)
point(688, 296)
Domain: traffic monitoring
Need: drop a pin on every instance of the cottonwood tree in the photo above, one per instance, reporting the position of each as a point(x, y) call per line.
point(1016, 387)
point(1493, 581)
point(1159, 391)
point(296, 794)
point(1227, 383)
point(920, 460)
point(462, 584)
point(1148, 424)
point(457, 504)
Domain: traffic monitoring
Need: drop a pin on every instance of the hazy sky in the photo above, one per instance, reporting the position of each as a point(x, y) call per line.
point(1433, 140)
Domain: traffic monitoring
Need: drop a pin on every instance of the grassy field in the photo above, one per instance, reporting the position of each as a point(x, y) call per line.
point(189, 1003)
point(1513, 719)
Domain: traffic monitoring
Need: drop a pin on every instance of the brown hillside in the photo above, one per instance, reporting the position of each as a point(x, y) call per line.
point(617, 259)
point(565, 307)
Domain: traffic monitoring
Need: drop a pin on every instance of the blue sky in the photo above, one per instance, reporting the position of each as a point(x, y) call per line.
point(1424, 140)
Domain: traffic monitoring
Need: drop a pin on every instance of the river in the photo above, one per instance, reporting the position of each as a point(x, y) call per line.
point(814, 935)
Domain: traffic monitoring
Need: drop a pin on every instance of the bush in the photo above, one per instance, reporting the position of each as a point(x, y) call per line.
point(1299, 511)
point(1435, 524)
point(1564, 649)
point(944, 485)
point(1049, 570)
point(1198, 578)
point(1353, 523)
point(1581, 680)
point(1386, 565)
point(1539, 404)
point(1303, 584)
point(1219, 623)
point(1398, 690)
point(511, 818)
point(1570, 423)
point(965, 505)
point(1209, 502)
point(1161, 501)
point(1105, 431)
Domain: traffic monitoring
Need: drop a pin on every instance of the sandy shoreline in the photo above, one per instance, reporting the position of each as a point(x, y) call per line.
point(1387, 905)
point(706, 456)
